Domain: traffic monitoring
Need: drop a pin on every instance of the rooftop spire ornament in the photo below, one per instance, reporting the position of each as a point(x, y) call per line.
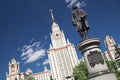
point(51, 12)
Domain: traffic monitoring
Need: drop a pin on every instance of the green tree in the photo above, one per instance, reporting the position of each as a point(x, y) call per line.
point(113, 67)
point(30, 78)
point(80, 72)
point(118, 75)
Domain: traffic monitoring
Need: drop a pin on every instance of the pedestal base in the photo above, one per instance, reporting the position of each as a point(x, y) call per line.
point(108, 76)
point(96, 65)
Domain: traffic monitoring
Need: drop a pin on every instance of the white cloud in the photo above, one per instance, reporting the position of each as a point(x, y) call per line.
point(67, 1)
point(35, 56)
point(70, 3)
point(31, 40)
point(82, 4)
point(33, 52)
point(27, 52)
point(73, 2)
point(38, 64)
point(46, 62)
point(46, 37)
point(24, 58)
point(18, 49)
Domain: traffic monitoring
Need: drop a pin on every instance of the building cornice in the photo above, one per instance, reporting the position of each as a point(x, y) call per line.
point(53, 49)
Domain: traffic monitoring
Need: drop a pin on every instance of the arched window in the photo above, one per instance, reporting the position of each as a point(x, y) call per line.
point(15, 78)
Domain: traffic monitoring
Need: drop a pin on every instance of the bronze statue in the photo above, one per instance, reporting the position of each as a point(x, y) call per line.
point(80, 22)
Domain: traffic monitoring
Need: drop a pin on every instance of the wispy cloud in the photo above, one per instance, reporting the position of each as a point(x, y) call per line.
point(79, 3)
point(35, 56)
point(31, 40)
point(46, 37)
point(32, 52)
point(38, 64)
point(46, 62)
point(18, 49)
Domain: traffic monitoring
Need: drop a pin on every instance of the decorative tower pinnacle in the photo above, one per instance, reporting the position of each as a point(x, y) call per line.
point(45, 69)
point(55, 26)
point(52, 16)
point(29, 70)
point(13, 66)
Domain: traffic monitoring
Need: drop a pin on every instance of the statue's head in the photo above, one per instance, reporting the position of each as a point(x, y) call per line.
point(75, 7)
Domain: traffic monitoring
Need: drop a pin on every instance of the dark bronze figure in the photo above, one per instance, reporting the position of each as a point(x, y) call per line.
point(80, 22)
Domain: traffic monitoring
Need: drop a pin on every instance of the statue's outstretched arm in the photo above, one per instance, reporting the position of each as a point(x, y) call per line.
point(84, 13)
point(73, 20)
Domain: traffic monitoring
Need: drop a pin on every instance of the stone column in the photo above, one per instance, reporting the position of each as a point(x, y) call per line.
point(94, 60)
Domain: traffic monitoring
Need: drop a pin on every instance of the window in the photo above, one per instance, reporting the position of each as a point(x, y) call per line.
point(12, 65)
point(56, 34)
point(15, 78)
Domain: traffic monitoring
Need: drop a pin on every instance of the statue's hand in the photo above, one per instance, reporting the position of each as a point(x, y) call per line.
point(74, 24)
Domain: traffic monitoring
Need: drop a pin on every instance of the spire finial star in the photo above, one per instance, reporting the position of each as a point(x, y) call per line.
point(51, 12)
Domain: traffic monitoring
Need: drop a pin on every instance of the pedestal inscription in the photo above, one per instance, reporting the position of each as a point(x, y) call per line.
point(94, 58)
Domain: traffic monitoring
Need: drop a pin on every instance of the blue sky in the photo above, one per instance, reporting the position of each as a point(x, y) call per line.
point(25, 27)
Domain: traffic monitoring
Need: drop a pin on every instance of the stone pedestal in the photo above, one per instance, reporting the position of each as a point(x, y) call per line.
point(94, 60)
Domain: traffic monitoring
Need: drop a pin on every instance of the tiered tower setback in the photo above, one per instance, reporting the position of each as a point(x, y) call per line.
point(62, 54)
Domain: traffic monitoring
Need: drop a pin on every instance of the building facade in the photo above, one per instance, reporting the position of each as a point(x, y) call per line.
point(15, 74)
point(14, 71)
point(62, 59)
point(62, 54)
point(110, 45)
point(45, 75)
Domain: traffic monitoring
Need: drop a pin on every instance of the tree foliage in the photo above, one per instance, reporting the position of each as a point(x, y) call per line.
point(80, 72)
point(30, 78)
point(113, 67)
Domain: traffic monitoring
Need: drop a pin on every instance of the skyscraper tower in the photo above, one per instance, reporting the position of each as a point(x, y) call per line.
point(110, 45)
point(62, 54)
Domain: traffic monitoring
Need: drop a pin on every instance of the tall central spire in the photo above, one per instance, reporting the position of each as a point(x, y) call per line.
point(55, 26)
point(52, 16)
